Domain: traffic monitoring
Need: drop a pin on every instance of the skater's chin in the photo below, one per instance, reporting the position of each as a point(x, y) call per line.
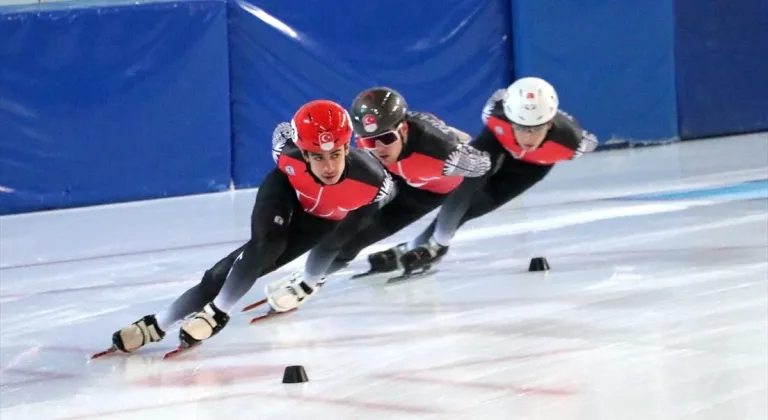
point(330, 179)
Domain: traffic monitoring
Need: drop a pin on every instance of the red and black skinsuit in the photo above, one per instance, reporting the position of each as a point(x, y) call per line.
point(432, 164)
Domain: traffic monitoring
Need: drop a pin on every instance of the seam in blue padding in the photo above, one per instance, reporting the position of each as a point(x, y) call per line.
point(744, 191)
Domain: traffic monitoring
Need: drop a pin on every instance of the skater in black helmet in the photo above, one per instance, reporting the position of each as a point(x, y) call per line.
point(428, 159)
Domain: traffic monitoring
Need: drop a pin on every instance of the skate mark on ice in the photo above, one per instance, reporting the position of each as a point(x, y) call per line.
point(110, 286)
point(214, 376)
point(35, 377)
point(416, 375)
point(347, 402)
point(243, 240)
point(181, 248)
point(649, 252)
point(554, 392)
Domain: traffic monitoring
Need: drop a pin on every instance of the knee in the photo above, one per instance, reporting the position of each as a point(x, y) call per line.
point(258, 256)
point(211, 285)
point(214, 277)
point(269, 244)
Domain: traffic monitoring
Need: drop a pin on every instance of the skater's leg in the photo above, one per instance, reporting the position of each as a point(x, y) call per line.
point(271, 226)
point(306, 234)
point(423, 237)
point(474, 198)
point(271, 221)
point(322, 258)
point(275, 195)
point(432, 244)
point(270, 248)
point(193, 300)
point(372, 230)
point(495, 193)
point(480, 204)
point(152, 328)
point(456, 204)
point(409, 206)
point(512, 179)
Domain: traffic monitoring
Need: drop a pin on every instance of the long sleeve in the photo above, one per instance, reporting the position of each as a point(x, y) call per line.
point(467, 161)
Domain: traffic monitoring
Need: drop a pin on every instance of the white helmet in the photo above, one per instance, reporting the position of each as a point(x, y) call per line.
point(530, 101)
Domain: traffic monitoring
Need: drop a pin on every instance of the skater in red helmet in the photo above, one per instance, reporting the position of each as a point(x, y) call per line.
point(319, 181)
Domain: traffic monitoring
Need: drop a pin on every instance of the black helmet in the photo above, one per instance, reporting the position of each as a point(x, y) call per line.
point(377, 110)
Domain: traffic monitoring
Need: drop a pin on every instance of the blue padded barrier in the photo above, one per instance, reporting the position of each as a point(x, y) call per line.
point(446, 60)
point(612, 63)
point(722, 66)
point(105, 103)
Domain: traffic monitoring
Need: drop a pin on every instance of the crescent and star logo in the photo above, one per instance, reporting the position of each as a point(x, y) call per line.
point(369, 123)
point(326, 141)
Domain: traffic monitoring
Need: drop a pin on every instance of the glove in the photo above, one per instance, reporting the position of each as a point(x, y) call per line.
point(290, 292)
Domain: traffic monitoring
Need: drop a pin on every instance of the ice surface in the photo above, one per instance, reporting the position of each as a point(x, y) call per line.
point(656, 307)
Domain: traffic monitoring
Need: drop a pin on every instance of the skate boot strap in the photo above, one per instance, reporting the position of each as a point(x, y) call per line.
point(435, 249)
point(138, 334)
point(204, 324)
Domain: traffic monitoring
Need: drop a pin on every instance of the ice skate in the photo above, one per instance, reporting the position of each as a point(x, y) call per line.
point(384, 261)
point(420, 260)
point(200, 327)
point(134, 336)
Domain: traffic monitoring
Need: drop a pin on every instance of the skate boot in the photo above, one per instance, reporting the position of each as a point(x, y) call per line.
point(384, 261)
point(137, 335)
point(423, 257)
point(203, 325)
point(387, 260)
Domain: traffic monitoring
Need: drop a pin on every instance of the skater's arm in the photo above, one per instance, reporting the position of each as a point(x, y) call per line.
point(282, 134)
point(465, 160)
point(451, 145)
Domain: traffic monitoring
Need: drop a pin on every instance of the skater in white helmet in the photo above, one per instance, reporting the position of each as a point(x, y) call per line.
point(526, 134)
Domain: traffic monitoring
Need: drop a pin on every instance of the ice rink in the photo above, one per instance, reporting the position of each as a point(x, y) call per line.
point(656, 307)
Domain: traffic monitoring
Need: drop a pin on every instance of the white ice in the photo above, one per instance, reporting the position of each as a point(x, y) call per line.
point(654, 309)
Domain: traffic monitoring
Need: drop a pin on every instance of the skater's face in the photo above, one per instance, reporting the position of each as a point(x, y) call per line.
point(530, 138)
point(328, 166)
point(387, 146)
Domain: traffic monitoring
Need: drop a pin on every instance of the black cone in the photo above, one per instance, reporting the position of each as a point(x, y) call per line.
point(294, 375)
point(538, 264)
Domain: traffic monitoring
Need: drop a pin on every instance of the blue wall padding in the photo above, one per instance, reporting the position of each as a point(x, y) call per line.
point(446, 60)
point(722, 66)
point(612, 62)
point(105, 101)
point(112, 103)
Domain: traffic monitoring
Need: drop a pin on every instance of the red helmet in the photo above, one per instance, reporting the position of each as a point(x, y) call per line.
point(321, 126)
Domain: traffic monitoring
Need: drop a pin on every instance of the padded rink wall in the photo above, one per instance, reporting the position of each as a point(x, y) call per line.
point(104, 102)
point(722, 66)
point(283, 53)
point(612, 63)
